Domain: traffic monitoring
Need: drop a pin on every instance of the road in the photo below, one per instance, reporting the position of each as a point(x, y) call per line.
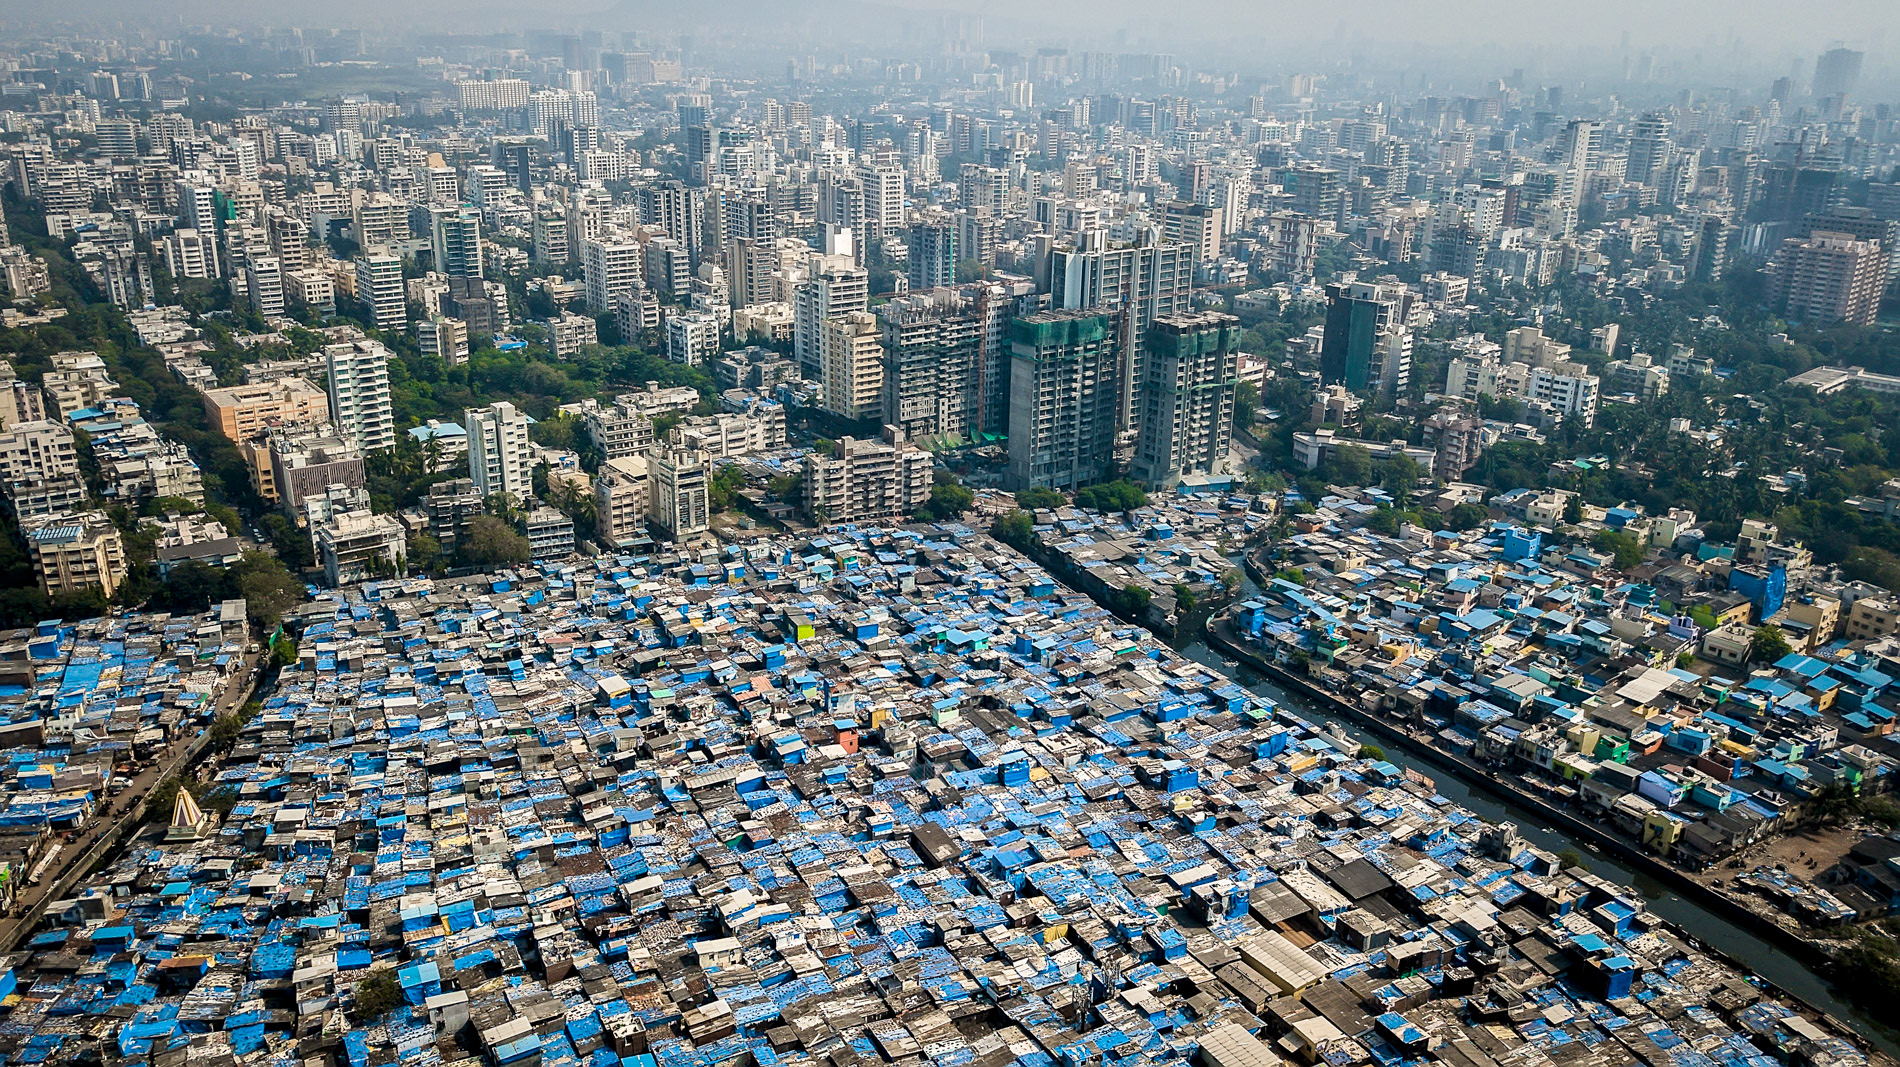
point(107, 830)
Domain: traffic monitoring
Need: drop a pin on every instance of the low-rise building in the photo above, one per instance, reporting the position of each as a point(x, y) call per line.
point(354, 545)
point(861, 481)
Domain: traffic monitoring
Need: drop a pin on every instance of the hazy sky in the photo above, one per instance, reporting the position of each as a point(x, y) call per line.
point(1757, 27)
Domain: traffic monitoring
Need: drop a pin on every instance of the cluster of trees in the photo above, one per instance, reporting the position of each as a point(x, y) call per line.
point(1118, 495)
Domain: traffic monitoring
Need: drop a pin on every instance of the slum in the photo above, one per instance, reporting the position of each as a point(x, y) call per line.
point(1177, 541)
point(872, 796)
point(84, 705)
point(1580, 683)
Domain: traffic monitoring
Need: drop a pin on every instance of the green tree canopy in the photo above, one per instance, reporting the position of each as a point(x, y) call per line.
point(1767, 645)
point(490, 542)
point(1118, 495)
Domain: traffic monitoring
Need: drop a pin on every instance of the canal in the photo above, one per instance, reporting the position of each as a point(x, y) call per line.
point(1741, 945)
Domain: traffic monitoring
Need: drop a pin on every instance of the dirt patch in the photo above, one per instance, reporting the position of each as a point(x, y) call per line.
point(1806, 853)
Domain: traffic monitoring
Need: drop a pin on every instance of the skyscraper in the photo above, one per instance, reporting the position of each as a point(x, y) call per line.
point(1136, 283)
point(1648, 149)
point(678, 492)
point(851, 365)
point(379, 288)
point(611, 266)
point(933, 346)
point(836, 286)
point(359, 393)
point(1064, 398)
point(1367, 346)
point(500, 458)
point(1188, 402)
point(933, 253)
point(456, 240)
point(1837, 71)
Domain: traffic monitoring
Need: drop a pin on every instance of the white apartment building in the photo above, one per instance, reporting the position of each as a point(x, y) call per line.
point(851, 365)
point(500, 456)
point(359, 393)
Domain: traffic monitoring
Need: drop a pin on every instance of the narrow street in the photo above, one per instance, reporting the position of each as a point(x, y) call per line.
point(116, 818)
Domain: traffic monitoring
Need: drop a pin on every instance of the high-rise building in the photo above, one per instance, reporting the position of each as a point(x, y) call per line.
point(1199, 226)
point(933, 253)
point(118, 138)
point(264, 278)
point(883, 188)
point(1648, 149)
point(1188, 420)
point(500, 457)
point(1862, 224)
point(1837, 71)
point(1828, 277)
point(933, 345)
point(1714, 235)
point(191, 254)
point(444, 337)
point(197, 206)
point(692, 337)
point(836, 286)
point(865, 481)
point(1135, 284)
point(851, 365)
point(456, 241)
point(1568, 390)
point(379, 288)
point(678, 210)
point(679, 488)
point(551, 239)
point(1064, 398)
point(621, 500)
point(359, 394)
point(611, 265)
point(1366, 346)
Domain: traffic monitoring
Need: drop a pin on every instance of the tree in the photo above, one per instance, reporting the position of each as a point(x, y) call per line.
point(1231, 578)
point(1767, 645)
point(424, 553)
point(225, 730)
point(1467, 517)
point(1573, 510)
point(375, 995)
point(283, 652)
point(724, 489)
point(562, 431)
point(227, 517)
point(1133, 601)
point(1119, 495)
point(268, 587)
point(1568, 859)
point(1037, 498)
point(491, 542)
point(947, 502)
point(1385, 521)
point(1015, 529)
point(1372, 752)
point(1350, 465)
point(1184, 599)
point(163, 797)
point(1623, 550)
point(1246, 404)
